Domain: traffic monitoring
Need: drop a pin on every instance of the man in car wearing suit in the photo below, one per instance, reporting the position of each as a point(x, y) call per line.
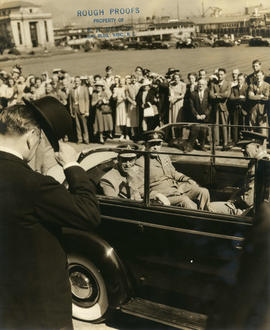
point(199, 108)
point(253, 146)
point(180, 189)
point(34, 283)
point(219, 94)
point(125, 179)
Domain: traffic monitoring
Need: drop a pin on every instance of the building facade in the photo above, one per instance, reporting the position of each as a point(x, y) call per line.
point(26, 25)
point(255, 21)
point(165, 31)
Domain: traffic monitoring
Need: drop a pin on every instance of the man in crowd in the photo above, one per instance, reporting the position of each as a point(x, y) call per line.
point(238, 104)
point(256, 66)
point(109, 78)
point(35, 289)
point(199, 108)
point(235, 74)
point(219, 93)
point(177, 187)
point(79, 109)
point(254, 146)
point(258, 96)
point(202, 74)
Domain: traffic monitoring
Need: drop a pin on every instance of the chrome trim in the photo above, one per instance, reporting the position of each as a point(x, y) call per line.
point(182, 230)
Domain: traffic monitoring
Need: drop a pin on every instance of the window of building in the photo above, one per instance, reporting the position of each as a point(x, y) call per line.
point(19, 32)
point(30, 11)
point(46, 31)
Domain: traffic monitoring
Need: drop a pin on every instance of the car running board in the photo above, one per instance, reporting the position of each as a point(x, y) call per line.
point(175, 317)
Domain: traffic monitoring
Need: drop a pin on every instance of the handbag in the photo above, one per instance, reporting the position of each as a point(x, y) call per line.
point(148, 112)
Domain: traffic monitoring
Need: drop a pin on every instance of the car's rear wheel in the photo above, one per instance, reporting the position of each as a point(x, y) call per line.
point(89, 294)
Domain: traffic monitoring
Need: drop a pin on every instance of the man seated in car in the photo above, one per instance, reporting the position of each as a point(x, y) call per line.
point(253, 146)
point(125, 179)
point(180, 189)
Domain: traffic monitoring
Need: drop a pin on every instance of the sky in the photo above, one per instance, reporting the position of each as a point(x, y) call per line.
point(65, 11)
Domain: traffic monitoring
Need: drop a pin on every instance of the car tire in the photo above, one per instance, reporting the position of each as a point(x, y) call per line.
point(89, 294)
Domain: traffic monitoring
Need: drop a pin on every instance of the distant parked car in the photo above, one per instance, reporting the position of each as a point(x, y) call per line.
point(186, 44)
point(118, 45)
point(202, 42)
point(223, 43)
point(259, 41)
point(105, 44)
point(138, 44)
point(113, 45)
point(245, 39)
point(143, 45)
point(159, 45)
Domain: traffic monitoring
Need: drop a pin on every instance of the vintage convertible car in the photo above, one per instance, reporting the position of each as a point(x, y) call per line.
point(163, 263)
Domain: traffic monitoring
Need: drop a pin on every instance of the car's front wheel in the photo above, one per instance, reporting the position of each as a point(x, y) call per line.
point(89, 294)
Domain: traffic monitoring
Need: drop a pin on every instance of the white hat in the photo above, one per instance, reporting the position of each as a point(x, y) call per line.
point(99, 83)
point(146, 82)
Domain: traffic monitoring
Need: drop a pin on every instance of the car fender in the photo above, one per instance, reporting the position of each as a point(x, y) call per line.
point(105, 258)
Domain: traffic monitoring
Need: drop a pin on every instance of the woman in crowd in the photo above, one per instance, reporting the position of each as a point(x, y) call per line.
point(139, 74)
point(103, 113)
point(40, 88)
point(119, 95)
point(132, 109)
point(147, 105)
point(11, 92)
point(49, 90)
point(176, 98)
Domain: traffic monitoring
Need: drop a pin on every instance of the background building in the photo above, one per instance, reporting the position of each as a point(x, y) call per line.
point(149, 30)
point(26, 25)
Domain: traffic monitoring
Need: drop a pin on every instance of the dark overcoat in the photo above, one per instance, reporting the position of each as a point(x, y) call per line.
point(34, 285)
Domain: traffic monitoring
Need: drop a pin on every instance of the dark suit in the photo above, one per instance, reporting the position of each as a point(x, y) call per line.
point(34, 286)
point(199, 106)
point(258, 105)
point(164, 103)
point(239, 109)
point(219, 95)
point(151, 122)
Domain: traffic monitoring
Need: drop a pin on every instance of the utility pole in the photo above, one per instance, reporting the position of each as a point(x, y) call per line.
point(203, 12)
point(178, 14)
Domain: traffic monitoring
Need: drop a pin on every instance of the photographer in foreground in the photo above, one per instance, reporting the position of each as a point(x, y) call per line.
point(35, 289)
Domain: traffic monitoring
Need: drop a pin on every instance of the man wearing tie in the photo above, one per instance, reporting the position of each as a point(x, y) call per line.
point(79, 109)
point(219, 94)
point(199, 106)
point(239, 106)
point(258, 95)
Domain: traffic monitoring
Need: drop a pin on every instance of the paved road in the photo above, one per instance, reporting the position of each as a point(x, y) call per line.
point(124, 62)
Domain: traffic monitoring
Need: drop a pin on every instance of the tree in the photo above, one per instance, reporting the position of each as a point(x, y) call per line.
point(5, 43)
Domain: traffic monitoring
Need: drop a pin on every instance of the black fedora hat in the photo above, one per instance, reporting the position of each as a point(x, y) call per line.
point(53, 118)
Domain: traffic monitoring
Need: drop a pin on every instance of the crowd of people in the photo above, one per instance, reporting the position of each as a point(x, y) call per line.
point(102, 106)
